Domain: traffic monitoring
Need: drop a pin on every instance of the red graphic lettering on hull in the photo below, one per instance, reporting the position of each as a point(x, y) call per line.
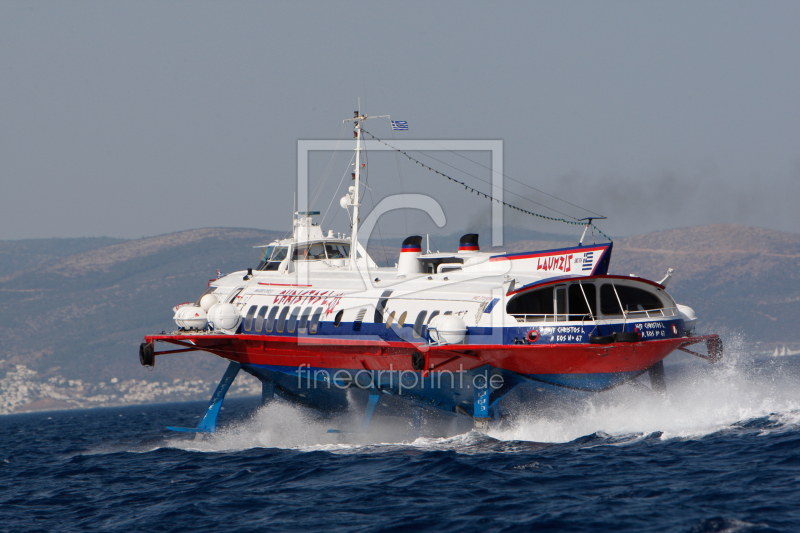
point(327, 299)
point(555, 262)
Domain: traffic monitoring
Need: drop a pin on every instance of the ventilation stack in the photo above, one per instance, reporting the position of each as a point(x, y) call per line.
point(469, 243)
point(408, 263)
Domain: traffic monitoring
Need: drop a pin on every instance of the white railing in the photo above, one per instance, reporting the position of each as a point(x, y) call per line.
point(655, 313)
point(630, 315)
point(545, 318)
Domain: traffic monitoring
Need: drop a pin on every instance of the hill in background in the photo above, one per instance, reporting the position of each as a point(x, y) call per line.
point(736, 277)
point(77, 309)
point(25, 254)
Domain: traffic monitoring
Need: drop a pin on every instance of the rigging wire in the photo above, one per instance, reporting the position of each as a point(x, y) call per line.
point(516, 181)
point(336, 193)
point(365, 166)
point(473, 176)
point(489, 197)
point(505, 190)
point(328, 169)
point(400, 174)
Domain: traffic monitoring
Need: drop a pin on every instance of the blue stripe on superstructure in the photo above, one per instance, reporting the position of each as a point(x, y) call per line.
point(509, 335)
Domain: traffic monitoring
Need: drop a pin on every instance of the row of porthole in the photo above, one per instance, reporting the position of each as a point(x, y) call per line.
point(299, 319)
point(419, 323)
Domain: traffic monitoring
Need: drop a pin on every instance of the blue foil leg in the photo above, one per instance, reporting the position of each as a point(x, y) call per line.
point(373, 401)
point(208, 424)
point(267, 392)
point(480, 411)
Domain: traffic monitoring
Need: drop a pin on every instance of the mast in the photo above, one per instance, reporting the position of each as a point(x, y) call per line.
point(355, 199)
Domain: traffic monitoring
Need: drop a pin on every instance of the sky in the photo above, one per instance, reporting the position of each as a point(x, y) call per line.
point(133, 119)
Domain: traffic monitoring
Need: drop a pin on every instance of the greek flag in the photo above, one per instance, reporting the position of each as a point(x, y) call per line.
point(400, 125)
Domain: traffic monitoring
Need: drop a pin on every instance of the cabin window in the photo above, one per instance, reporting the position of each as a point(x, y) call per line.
point(379, 309)
point(632, 299)
point(316, 251)
point(313, 251)
point(234, 295)
point(260, 317)
point(577, 303)
point(248, 319)
point(418, 324)
point(273, 255)
point(448, 312)
point(443, 269)
point(301, 327)
point(539, 302)
point(359, 319)
point(561, 302)
point(282, 319)
point(312, 328)
point(433, 314)
point(271, 319)
point(337, 251)
point(338, 319)
point(431, 265)
point(402, 320)
point(290, 327)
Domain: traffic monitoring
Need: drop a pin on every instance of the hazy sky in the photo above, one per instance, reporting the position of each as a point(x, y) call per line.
point(132, 119)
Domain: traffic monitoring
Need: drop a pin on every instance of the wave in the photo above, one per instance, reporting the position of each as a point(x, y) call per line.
point(700, 400)
point(742, 393)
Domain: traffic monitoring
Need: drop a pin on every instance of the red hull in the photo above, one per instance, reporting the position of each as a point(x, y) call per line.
point(538, 359)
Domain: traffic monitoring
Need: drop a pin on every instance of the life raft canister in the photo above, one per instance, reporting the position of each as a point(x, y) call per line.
point(533, 335)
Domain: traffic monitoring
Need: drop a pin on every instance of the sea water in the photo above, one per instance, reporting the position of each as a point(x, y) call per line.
point(720, 451)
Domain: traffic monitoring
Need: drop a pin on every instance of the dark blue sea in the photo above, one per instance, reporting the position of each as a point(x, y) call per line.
point(719, 452)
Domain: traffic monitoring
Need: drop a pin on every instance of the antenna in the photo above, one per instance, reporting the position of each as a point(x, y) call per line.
point(588, 224)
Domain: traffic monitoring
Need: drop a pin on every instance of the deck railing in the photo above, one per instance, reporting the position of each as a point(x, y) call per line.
point(655, 313)
point(542, 318)
point(663, 312)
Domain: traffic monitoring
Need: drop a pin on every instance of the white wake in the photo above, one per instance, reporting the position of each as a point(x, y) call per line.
point(701, 399)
